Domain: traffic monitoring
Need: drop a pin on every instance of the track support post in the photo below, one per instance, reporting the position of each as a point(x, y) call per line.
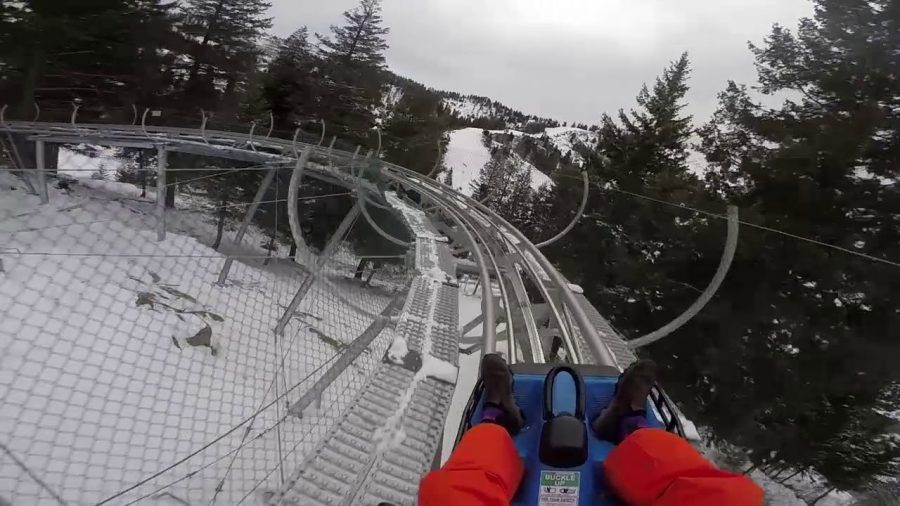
point(248, 218)
point(162, 160)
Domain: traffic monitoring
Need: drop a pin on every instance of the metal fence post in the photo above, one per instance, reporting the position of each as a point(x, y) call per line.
point(311, 276)
point(41, 172)
point(162, 160)
point(248, 218)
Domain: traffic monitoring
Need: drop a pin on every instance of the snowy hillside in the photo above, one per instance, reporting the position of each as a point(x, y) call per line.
point(469, 108)
point(568, 140)
point(467, 155)
point(123, 355)
point(486, 113)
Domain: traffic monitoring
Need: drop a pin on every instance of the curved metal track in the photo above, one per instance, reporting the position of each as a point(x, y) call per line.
point(502, 255)
point(280, 151)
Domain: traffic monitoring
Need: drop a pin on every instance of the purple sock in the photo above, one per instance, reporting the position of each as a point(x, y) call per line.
point(631, 423)
point(492, 413)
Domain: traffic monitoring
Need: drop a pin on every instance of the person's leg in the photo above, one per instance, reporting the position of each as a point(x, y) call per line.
point(636, 419)
point(655, 467)
point(485, 468)
point(626, 411)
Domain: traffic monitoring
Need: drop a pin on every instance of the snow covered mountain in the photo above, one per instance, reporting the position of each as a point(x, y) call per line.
point(483, 112)
point(467, 154)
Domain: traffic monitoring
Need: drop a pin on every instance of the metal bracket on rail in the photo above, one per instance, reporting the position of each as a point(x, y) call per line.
point(75, 118)
point(250, 141)
point(361, 199)
point(578, 215)
point(731, 242)
point(293, 196)
point(294, 143)
point(271, 125)
point(203, 126)
point(144, 123)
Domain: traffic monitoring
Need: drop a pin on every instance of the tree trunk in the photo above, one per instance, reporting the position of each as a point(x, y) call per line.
point(31, 78)
point(213, 24)
point(360, 268)
point(269, 248)
point(220, 226)
point(51, 159)
point(143, 174)
point(371, 275)
point(171, 188)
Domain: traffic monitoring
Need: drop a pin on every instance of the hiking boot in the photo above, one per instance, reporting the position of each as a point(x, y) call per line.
point(499, 404)
point(629, 402)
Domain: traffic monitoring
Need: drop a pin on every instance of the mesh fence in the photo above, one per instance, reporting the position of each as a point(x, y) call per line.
point(134, 368)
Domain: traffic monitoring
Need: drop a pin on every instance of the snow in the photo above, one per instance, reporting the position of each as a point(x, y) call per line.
point(575, 288)
point(469, 308)
point(116, 366)
point(467, 107)
point(467, 155)
point(391, 433)
point(895, 415)
point(690, 430)
point(80, 166)
point(390, 97)
point(438, 369)
point(432, 367)
point(562, 138)
point(566, 138)
point(398, 350)
point(538, 178)
point(795, 491)
point(416, 218)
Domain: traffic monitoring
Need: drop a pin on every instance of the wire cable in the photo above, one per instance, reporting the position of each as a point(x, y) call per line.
point(750, 224)
point(218, 438)
point(30, 474)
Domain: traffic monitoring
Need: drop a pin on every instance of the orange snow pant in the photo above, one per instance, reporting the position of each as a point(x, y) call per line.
point(650, 467)
point(484, 470)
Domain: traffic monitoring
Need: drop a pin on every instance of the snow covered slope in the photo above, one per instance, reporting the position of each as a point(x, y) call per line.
point(467, 155)
point(566, 138)
point(121, 354)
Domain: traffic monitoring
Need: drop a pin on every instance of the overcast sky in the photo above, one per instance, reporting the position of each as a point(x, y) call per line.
point(571, 60)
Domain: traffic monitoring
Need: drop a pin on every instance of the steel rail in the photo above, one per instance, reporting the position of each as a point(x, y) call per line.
point(233, 141)
point(600, 350)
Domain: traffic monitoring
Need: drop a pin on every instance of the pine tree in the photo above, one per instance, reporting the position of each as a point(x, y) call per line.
point(290, 87)
point(809, 167)
point(414, 131)
point(94, 52)
point(618, 252)
point(221, 39)
point(361, 41)
point(504, 185)
point(350, 75)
